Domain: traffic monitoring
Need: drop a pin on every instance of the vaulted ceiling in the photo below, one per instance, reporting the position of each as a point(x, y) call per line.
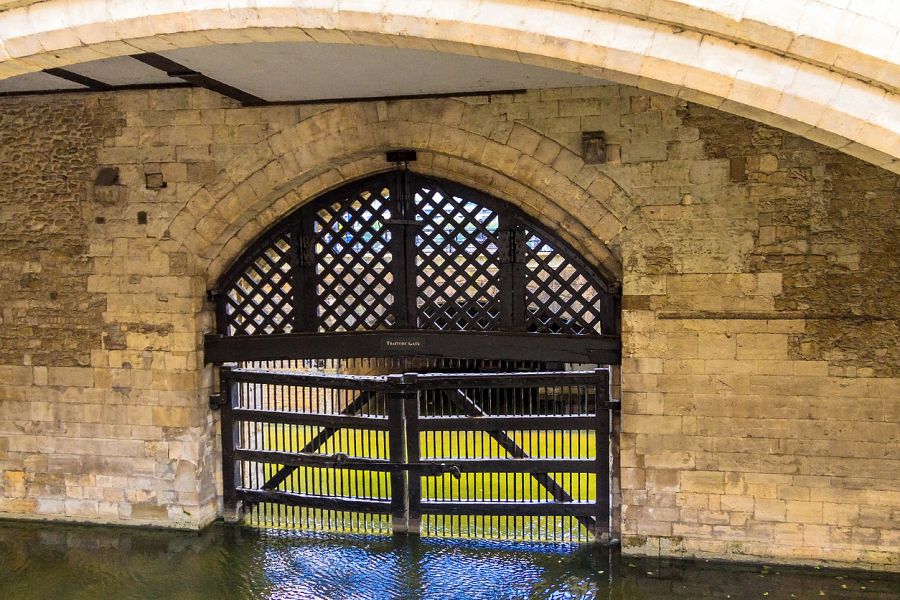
point(258, 73)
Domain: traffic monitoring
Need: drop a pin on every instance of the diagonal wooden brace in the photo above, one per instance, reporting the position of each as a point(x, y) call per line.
point(319, 440)
point(559, 494)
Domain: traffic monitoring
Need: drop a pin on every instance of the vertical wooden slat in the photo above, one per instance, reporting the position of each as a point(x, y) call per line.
point(298, 316)
point(230, 439)
point(506, 260)
point(519, 275)
point(413, 454)
point(221, 311)
point(398, 248)
point(603, 429)
point(306, 280)
point(407, 187)
point(397, 449)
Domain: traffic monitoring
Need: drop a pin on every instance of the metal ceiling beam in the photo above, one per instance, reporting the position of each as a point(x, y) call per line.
point(94, 85)
point(189, 77)
point(426, 96)
point(177, 70)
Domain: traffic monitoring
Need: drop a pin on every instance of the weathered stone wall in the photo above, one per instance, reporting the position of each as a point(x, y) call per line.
point(100, 388)
point(760, 385)
point(761, 392)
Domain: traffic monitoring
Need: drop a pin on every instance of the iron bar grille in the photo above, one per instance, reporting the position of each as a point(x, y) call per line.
point(404, 251)
point(521, 455)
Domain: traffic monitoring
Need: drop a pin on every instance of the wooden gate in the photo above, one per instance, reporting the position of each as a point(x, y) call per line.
point(407, 268)
point(500, 455)
point(402, 264)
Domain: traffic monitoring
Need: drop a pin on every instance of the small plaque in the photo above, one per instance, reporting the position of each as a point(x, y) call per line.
point(403, 345)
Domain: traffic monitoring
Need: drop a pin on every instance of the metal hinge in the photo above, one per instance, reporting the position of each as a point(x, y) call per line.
point(216, 401)
point(613, 405)
point(212, 296)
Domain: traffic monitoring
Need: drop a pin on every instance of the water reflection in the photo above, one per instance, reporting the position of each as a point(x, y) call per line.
point(41, 561)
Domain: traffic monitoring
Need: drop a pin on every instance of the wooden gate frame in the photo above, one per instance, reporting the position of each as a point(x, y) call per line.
point(405, 464)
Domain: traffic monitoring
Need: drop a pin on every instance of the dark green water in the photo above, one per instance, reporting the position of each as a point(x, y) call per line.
point(69, 562)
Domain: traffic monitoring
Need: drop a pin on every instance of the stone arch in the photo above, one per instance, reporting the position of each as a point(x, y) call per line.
point(770, 70)
point(511, 161)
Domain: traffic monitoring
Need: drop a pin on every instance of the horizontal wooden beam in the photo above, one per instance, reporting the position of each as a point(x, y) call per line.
point(519, 509)
point(311, 419)
point(519, 465)
point(221, 349)
point(506, 423)
point(425, 467)
point(310, 501)
point(314, 460)
point(443, 381)
point(360, 383)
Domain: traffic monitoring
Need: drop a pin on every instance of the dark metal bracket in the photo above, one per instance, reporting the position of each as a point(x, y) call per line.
point(216, 401)
point(401, 156)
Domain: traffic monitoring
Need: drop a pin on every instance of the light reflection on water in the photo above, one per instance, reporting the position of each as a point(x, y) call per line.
point(43, 561)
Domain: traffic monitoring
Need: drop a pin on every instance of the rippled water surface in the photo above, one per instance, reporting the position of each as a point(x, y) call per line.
point(42, 561)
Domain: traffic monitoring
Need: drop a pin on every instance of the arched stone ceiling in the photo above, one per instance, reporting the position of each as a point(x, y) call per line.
point(822, 71)
point(859, 38)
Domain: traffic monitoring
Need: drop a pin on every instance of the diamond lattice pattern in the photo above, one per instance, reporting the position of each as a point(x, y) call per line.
point(259, 300)
point(558, 296)
point(457, 266)
point(353, 262)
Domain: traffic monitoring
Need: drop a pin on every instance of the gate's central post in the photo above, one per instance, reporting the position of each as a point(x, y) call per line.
point(413, 453)
point(400, 387)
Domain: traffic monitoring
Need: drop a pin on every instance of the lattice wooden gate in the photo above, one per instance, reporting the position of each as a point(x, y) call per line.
point(404, 267)
point(502, 455)
point(400, 253)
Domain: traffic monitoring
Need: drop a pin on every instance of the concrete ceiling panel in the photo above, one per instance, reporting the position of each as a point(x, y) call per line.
point(122, 70)
point(37, 82)
point(312, 71)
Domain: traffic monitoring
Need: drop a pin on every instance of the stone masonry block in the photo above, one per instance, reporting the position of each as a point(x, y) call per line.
point(705, 482)
point(70, 376)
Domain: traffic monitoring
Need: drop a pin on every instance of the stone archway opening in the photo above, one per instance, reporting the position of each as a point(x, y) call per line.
point(469, 341)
